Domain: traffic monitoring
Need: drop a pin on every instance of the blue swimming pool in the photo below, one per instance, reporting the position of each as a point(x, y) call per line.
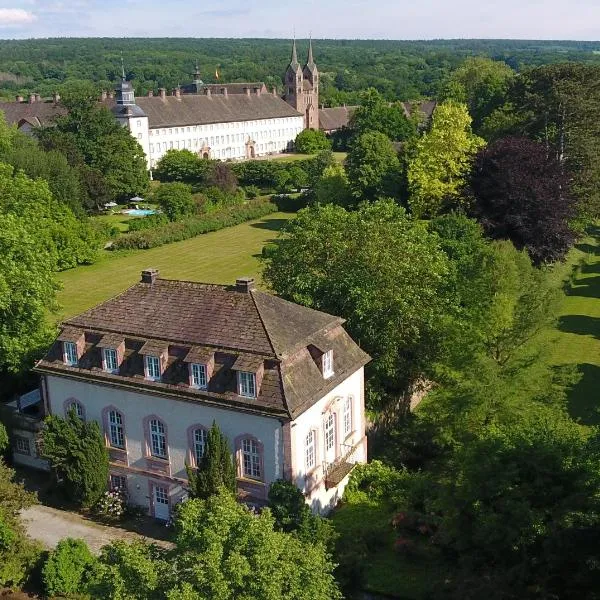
point(139, 212)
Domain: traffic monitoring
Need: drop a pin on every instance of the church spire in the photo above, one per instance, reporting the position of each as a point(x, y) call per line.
point(310, 60)
point(294, 59)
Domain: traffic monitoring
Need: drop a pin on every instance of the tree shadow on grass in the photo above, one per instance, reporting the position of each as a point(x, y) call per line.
point(583, 401)
point(270, 224)
point(580, 324)
point(585, 286)
point(588, 248)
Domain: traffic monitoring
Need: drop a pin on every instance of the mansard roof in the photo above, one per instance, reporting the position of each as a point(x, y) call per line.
point(39, 113)
point(235, 325)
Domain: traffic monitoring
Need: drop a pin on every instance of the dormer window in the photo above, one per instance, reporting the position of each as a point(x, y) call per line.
point(152, 367)
point(109, 360)
point(327, 364)
point(247, 384)
point(198, 376)
point(70, 353)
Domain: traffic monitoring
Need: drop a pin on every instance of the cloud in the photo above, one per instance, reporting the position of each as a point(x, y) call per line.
point(14, 17)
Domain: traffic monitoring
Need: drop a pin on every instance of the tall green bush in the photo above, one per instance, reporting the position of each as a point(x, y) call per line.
point(216, 469)
point(78, 456)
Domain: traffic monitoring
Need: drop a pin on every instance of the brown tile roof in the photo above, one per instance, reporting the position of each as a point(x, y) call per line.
point(331, 119)
point(36, 113)
point(110, 340)
point(241, 330)
point(192, 109)
point(216, 88)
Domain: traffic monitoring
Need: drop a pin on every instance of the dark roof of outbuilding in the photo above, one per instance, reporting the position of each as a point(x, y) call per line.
point(192, 109)
point(34, 113)
point(331, 119)
point(189, 319)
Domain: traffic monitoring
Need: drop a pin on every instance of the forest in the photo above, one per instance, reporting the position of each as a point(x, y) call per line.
point(400, 70)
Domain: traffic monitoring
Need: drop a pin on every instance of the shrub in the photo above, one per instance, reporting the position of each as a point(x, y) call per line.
point(111, 506)
point(149, 222)
point(68, 568)
point(252, 191)
point(183, 230)
point(290, 203)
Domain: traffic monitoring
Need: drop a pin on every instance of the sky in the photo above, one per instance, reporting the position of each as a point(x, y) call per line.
point(367, 19)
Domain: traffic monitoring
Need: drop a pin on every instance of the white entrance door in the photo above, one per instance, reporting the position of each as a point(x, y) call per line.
point(161, 503)
point(329, 438)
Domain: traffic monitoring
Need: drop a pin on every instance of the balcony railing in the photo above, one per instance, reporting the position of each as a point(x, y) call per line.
point(337, 470)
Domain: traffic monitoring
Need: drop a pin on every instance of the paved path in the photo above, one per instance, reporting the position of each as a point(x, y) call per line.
point(50, 525)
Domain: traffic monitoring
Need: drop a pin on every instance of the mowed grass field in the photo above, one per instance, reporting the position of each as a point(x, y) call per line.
point(216, 257)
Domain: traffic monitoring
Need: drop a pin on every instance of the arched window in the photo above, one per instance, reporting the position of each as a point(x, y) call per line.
point(200, 438)
point(116, 433)
point(72, 404)
point(158, 439)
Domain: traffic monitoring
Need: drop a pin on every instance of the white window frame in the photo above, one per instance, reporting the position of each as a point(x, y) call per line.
point(116, 432)
point(70, 354)
point(200, 439)
point(247, 384)
point(199, 376)
point(310, 447)
point(110, 360)
point(158, 439)
point(118, 482)
point(327, 364)
point(329, 432)
point(347, 415)
point(152, 366)
point(251, 467)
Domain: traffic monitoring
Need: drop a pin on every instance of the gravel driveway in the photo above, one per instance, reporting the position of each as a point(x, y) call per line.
point(50, 525)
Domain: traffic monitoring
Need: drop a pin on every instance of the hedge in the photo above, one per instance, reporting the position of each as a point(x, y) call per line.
point(182, 230)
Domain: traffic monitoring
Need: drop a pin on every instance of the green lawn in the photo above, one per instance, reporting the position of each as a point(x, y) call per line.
point(217, 257)
point(576, 338)
point(339, 157)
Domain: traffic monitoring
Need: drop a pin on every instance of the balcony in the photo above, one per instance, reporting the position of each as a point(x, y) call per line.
point(338, 470)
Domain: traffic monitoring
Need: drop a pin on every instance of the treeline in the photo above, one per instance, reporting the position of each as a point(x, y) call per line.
point(403, 70)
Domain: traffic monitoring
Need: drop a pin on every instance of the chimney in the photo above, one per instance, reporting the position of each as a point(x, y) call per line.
point(56, 97)
point(31, 98)
point(244, 284)
point(150, 93)
point(177, 92)
point(162, 92)
point(149, 275)
point(224, 91)
point(257, 91)
point(247, 91)
point(19, 98)
point(274, 91)
point(111, 94)
point(103, 96)
point(38, 98)
point(208, 92)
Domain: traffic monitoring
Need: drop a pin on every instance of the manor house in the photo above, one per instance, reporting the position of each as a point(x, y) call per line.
point(219, 121)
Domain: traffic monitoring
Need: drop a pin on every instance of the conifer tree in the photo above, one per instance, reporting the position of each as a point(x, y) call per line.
point(216, 469)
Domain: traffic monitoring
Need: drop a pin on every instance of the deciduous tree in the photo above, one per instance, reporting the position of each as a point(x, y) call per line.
point(522, 194)
point(377, 268)
point(311, 141)
point(440, 160)
point(373, 166)
point(333, 187)
point(175, 200)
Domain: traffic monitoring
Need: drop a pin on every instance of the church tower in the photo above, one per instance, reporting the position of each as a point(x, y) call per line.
point(302, 87)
